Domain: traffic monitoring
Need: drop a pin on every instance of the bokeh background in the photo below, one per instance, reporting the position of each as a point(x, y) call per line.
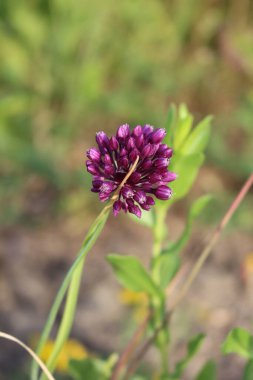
point(69, 68)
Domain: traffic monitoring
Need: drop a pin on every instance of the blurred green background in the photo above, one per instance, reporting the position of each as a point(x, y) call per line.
point(69, 68)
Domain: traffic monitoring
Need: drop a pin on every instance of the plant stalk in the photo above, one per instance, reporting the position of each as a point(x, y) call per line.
point(72, 280)
point(68, 317)
point(162, 339)
point(195, 270)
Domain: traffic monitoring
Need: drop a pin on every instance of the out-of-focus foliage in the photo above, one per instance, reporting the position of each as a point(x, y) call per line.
point(70, 68)
point(92, 368)
point(193, 347)
point(240, 341)
point(207, 372)
point(132, 275)
point(189, 146)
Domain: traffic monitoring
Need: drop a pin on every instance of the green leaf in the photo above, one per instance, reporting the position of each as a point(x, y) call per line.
point(90, 369)
point(132, 275)
point(197, 207)
point(166, 265)
point(170, 125)
point(185, 120)
point(147, 218)
point(187, 168)
point(248, 371)
point(239, 341)
point(198, 139)
point(208, 372)
point(192, 349)
point(188, 148)
point(88, 242)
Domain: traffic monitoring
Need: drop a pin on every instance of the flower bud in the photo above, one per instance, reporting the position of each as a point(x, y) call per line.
point(163, 192)
point(123, 132)
point(113, 143)
point(117, 207)
point(102, 139)
point(169, 177)
point(94, 154)
point(157, 136)
point(140, 197)
point(133, 209)
point(137, 131)
point(161, 163)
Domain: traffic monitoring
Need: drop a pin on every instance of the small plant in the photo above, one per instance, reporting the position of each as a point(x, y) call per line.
point(131, 172)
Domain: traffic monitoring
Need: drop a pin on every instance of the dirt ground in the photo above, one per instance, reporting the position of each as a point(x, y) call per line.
point(33, 262)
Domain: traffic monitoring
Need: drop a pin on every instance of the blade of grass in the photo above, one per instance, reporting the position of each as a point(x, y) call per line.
point(74, 285)
point(68, 317)
point(12, 338)
point(87, 244)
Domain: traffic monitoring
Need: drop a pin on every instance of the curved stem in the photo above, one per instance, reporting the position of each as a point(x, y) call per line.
point(202, 258)
point(12, 338)
point(74, 282)
point(162, 338)
point(158, 231)
point(68, 317)
point(207, 250)
point(87, 244)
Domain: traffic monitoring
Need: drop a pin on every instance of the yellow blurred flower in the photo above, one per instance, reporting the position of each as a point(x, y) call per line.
point(247, 268)
point(72, 349)
point(138, 301)
point(248, 263)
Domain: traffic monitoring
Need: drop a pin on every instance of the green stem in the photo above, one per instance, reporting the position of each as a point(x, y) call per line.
point(159, 231)
point(74, 281)
point(87, 244)
point(202, 258)
point(162, 340)
point(68, 317)
point(164, 351)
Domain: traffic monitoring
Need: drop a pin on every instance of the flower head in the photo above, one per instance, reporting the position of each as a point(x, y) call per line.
point(112, 160)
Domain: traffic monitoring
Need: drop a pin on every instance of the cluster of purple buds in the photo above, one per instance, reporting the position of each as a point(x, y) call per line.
point(113, 159)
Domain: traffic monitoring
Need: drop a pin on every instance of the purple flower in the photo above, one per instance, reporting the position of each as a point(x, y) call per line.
point(113, 159)
point(163, 192)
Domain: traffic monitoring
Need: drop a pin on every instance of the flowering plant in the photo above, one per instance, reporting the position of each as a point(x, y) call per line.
point(139, 153)
point(131, 172)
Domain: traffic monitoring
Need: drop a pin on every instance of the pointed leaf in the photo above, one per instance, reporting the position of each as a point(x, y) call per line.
point(91, 369)
point(89, 240)
point(170, 125)
point(248, 371)
point(197, 207)
point(132, 275)
point(239, 341)
point(147, 218)
point(208, 372)
point(185, 120)
point(187, 168)
point(198, 139)
point(192, 349)
point(166, 266)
